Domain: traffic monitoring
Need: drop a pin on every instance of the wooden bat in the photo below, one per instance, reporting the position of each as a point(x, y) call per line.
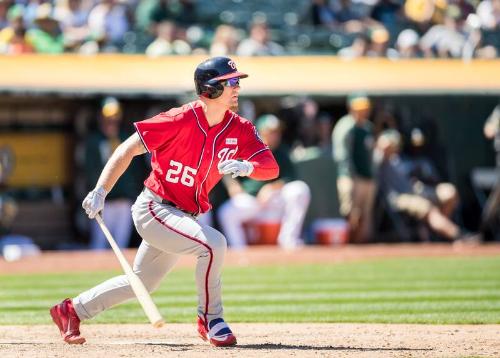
point(140, 291)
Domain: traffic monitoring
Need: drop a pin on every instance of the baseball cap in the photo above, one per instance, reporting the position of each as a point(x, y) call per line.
point(110, 107)
point(267, 122)
point(407, 38)
point(358, 101)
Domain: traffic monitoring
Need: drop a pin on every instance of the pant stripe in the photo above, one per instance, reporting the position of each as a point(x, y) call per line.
point(193, 239)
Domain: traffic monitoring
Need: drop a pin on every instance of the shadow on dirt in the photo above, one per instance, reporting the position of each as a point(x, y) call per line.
point(274, 346)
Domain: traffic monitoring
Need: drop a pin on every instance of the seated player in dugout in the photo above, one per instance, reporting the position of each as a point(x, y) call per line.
point(191, 148)
point(284, 200)
point(432, 206)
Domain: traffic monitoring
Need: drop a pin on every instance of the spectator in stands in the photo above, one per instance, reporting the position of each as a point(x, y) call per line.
point(98, 148)
point(425, 13)
point(285, 199)
point(182, 12)
point(474, 46)
point(225, 41)
point(467, 7)
point(161, 12)
point(18, 44)
point(167, 42)
point(355, 16)
point(47, 37)
point(359, 48)
point(489, 14)
point(108, 22)
point(31, 11)
point(142, 16)
point(388, 13)
point(259, 42)
point(446, 40)
point(72, 16)
point(150, 14)
point(398, 190)
point(322, 14)
point(337, 15)
point(352, 140)
point(379, 42)
point(406, 45)
point(13, 39)
point(4, 8)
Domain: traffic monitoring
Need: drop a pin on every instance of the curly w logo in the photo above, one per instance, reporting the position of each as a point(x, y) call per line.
point(226, 154)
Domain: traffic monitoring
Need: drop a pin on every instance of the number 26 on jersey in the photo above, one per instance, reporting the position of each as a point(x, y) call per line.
point(180, 173)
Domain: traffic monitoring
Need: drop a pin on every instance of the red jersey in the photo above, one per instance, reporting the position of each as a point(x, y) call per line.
point(185, 153)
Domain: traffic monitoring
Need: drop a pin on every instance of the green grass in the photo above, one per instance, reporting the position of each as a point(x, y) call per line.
point(430, 290)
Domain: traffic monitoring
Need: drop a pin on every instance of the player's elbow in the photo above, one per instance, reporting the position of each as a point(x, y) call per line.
point(276, 173)
point(272, 173)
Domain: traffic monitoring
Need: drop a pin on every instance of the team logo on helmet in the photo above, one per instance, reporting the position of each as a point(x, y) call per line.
point(232, 64)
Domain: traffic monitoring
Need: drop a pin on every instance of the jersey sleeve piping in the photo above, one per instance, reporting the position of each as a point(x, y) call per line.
point(257, 152)
point(142, 139)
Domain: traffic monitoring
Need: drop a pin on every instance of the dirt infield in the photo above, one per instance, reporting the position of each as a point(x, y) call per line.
point(256, 340)
point(259, 340)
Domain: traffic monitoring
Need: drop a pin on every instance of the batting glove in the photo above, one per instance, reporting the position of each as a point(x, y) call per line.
point(236, 168)
point(94, 201)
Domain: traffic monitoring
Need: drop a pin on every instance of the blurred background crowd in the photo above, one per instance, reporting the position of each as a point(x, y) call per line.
point(347, 28)
point(365, 171)
point(355, 167)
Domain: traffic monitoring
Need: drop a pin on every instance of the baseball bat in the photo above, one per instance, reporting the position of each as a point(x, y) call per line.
point(140, 291)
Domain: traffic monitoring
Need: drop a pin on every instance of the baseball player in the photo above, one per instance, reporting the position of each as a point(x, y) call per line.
point(191, 148)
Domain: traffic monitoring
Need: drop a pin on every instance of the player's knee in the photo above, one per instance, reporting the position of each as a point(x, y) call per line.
point(219, 242)
point(214, 243)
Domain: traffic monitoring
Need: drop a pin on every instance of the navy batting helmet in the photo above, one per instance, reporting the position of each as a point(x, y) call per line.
point(210, 73)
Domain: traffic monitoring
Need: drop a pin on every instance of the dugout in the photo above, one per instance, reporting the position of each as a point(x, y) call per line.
point(48, 103)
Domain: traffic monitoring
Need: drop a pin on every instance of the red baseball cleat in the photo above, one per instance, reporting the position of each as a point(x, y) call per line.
point(64, 316)
point(218, 333)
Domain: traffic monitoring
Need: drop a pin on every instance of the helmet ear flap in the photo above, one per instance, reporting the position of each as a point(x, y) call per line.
point(213, 90)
